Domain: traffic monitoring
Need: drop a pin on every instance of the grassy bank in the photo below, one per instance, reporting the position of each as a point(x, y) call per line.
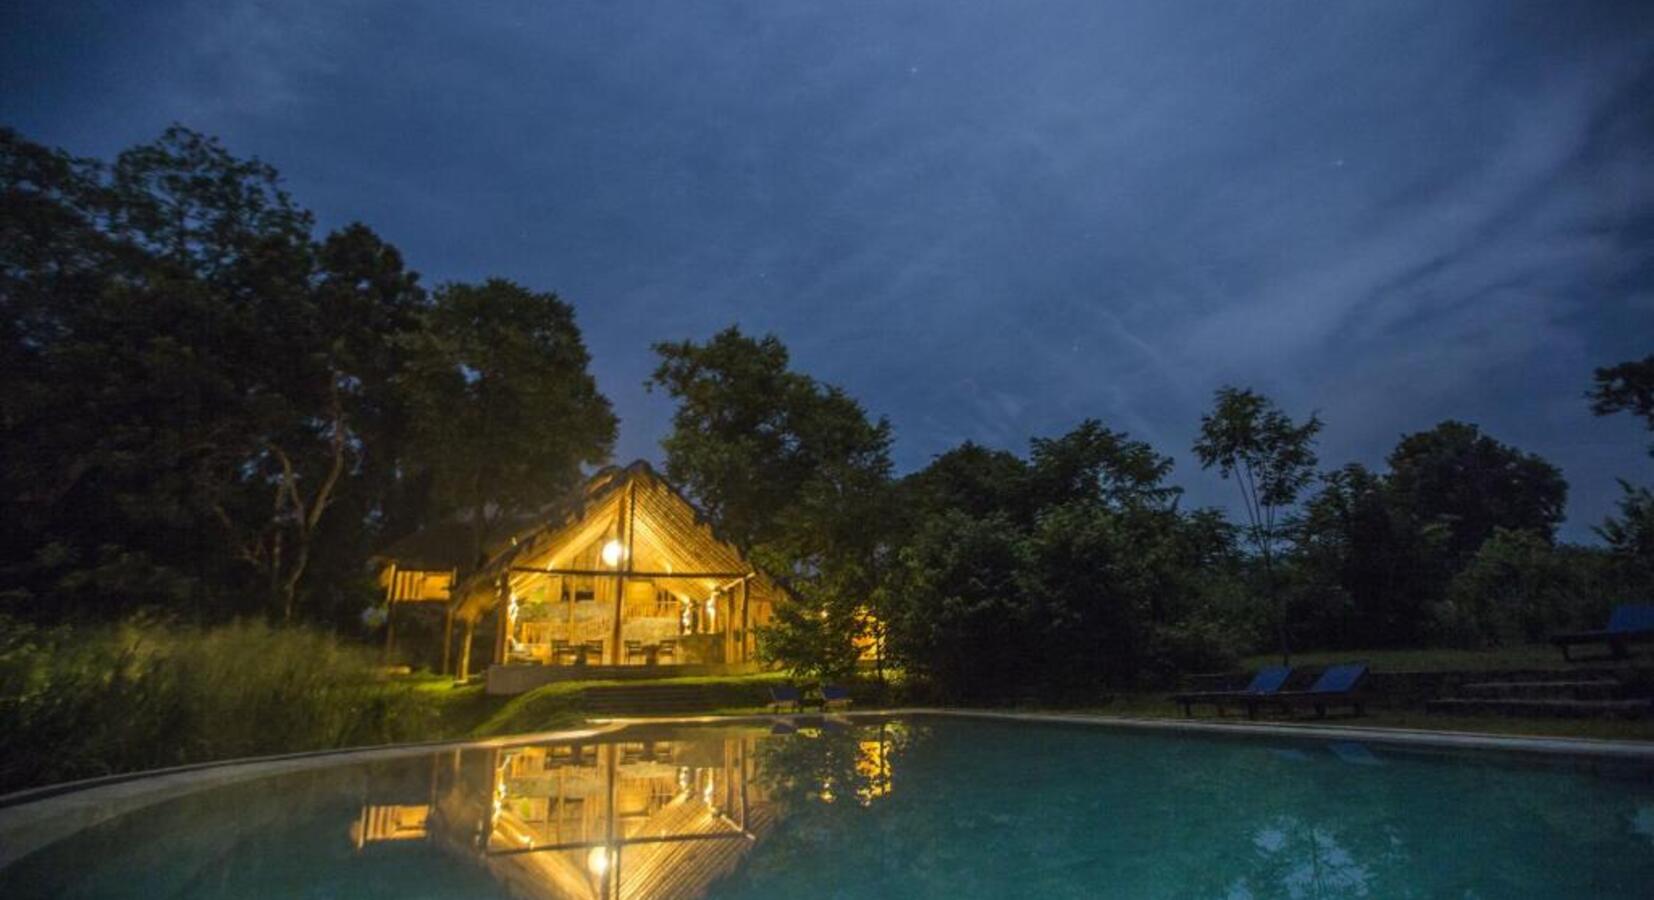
point(1522, 656)
point(90, 701)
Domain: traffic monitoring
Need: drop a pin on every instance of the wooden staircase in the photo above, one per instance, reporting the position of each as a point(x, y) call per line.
point(1560, 695)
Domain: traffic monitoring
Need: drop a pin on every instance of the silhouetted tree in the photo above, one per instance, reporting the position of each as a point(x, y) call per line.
point(793, 470)
point(504, 410)
point(1247, 438)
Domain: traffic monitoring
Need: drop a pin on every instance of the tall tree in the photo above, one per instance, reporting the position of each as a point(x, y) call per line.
point(1627, 387)
point(194, 384)
point(1455, 477)
point(1272, 459)
point(504, 409)
point(793, 470)
point(1355, 546)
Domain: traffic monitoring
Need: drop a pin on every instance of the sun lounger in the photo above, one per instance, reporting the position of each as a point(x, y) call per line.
point(1337, 686)
point(785, 695)
point(834, 695)
point(1628, 624)
point(1268, 680)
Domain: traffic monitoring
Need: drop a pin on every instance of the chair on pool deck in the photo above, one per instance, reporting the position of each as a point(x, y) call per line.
point(834, 695)
point(1628, 624)
point(1268, 680)
point(1337, 686)
point(784, 695)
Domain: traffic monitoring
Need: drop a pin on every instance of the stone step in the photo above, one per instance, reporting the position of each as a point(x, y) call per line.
point(1575, 689)
point(1569, 709)
point(660, 698)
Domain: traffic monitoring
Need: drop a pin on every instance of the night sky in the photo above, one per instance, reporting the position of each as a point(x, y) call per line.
point(986, 220)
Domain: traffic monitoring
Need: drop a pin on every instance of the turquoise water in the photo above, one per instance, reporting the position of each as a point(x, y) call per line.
point(926, 807)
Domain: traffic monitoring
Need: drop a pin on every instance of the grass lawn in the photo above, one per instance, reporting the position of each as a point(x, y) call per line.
point(1528, 656)
point(461, 712)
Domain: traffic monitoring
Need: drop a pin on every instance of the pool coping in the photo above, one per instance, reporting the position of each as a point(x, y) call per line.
point(1539, 745)
point(37, 816)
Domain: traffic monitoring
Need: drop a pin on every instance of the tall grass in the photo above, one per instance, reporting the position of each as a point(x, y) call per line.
point(83, 702)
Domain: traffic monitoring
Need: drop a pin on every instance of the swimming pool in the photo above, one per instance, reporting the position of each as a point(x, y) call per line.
point(910, 806)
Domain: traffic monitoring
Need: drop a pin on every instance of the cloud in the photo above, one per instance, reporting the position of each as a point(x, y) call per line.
point(986, 220)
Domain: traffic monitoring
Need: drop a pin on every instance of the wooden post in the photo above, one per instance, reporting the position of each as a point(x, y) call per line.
point(447, 635)
point(746, 619)
point(465, 649)
point(628, 513)
point(728, 615)
point(390, 618)
point(502, 619)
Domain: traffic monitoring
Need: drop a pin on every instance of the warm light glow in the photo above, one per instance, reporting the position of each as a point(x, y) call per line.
point(598, 861)
point(612, 552)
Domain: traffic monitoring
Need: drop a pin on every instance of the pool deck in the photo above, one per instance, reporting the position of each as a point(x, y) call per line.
point(33, 818)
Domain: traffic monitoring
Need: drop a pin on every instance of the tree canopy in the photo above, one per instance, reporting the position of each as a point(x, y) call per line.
point(211, 410)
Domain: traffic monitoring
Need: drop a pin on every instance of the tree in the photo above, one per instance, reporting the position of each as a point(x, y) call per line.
point(504, 412)
point(1517, 588)
point(1272, 459)
point(1630, 539)
point(1455, 477)
point(794, 471)
point(1627, 387)
point(1371, 570)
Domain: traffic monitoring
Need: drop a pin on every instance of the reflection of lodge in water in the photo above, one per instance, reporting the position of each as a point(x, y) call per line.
point(611, 820)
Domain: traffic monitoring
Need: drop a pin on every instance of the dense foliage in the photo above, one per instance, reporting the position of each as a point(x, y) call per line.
point(207, 409)
point(89, 701)
point(1075, 568)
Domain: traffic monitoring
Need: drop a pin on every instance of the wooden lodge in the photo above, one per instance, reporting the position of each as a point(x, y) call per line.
point(627, 579)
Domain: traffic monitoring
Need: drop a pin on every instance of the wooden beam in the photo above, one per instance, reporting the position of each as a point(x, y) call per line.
point(629, 573)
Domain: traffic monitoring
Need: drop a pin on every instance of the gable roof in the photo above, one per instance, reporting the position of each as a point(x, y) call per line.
point(668, 534)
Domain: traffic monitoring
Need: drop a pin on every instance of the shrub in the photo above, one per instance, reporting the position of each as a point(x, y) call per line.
point(83, 702)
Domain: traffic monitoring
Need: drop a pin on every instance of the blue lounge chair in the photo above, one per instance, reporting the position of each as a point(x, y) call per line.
point(834, 695)
point(784, 695)
point(1627, 624)
point(1337, 686)
point(1268, 680)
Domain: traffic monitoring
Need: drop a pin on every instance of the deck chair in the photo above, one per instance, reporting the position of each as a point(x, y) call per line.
point(834, 695)
point(1627, 624)
point(1337, 686)
point(784, 695)
point(1268, 680)
point(634, 650)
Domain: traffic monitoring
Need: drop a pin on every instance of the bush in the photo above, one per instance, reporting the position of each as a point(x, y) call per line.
point(1516, 589)
point(83, 702)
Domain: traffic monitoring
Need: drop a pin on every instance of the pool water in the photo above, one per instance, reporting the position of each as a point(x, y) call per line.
point(931, 806)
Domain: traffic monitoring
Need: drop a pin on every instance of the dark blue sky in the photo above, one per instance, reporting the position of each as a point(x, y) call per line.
point(987, 220)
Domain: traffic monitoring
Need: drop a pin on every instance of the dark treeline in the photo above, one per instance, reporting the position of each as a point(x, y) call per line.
point(1075, 565)
point(212, 411)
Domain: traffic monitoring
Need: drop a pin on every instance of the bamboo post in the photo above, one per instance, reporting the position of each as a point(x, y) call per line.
point(746, 619)
point(502, 619)
point(447, 636)
point(465, 649)
point(390, 618)
point(627, 516)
